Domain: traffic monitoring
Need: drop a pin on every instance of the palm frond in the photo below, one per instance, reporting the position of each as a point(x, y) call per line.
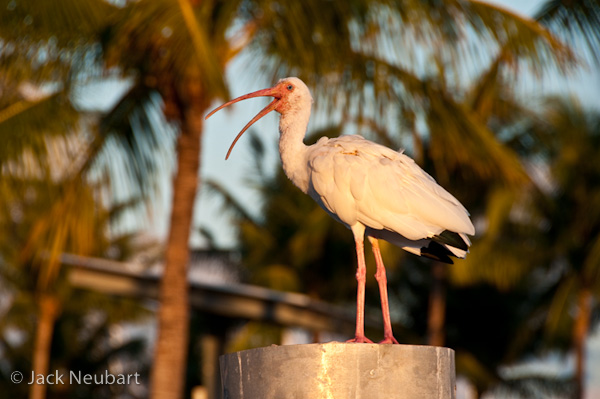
point(135, 141)
point(230, 203)
point(498, 270)
point(29, 127)
point(157, 38)
point(403, 33)
point(454, 126)
point(70, 224)
point(212, 71)
point(472, 143)
point(45, 42)
point(69, 22)
point(521, 37)
point(486, 91)
point(475, 370)
point(258, 152)
point(578, 21)
point(559, 321)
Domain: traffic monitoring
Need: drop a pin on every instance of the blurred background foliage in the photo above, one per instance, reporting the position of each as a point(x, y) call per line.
point(440, 77)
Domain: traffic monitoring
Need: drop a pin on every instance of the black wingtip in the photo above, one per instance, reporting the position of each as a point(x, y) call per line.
point(438, 252)
point(452, 239)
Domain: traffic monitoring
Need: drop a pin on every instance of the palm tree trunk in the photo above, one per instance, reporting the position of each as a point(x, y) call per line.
point(580, 331)
point(170, 357)
point(437, 306)
point(48, 310)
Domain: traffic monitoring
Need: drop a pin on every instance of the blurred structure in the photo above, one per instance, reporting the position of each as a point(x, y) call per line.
point(216, 292)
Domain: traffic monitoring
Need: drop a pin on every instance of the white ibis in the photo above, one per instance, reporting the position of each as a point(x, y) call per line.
point(371, 189)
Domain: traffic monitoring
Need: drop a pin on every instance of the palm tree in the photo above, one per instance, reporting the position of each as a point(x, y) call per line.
point(549, 228)
point(51, 197)
point(577, 23)
point(53, 220)
point(37, 127)
point(572, 136)
point(152, 38)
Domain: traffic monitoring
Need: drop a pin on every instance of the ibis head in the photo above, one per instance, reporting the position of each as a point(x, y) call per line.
point(289, 95)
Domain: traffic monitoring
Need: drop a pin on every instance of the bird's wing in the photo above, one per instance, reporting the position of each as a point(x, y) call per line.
point(360, 181)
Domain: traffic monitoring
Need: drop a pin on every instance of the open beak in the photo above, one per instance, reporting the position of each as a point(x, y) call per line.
point(270, 92)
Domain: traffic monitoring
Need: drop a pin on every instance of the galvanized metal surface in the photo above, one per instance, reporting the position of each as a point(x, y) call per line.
point(338, 371)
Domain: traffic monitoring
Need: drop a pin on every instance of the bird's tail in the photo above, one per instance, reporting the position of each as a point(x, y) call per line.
point(446, 244)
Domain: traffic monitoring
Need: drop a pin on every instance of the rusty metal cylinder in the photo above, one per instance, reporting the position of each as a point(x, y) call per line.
point(338, 371)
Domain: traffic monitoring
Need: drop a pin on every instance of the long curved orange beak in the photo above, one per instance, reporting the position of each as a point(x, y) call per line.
point(270, 92)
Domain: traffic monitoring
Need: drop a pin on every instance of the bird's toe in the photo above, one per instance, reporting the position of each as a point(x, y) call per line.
point(389, 340)
point(360, 340)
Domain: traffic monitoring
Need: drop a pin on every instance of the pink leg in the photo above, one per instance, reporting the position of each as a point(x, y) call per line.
point(361, 277)
point(388, 336)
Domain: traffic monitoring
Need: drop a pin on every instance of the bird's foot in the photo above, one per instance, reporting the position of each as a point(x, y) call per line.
point(360, 339)
point(389, 340)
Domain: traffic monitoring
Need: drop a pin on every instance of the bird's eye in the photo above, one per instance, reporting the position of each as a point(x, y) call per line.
point(290, 87)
